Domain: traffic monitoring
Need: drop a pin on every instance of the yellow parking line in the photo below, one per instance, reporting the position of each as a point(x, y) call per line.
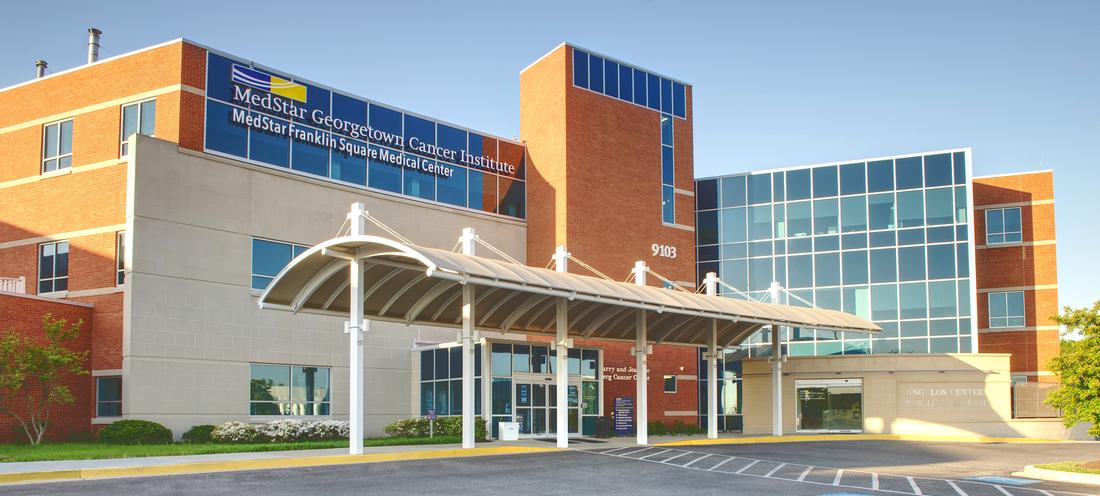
point(276, 463)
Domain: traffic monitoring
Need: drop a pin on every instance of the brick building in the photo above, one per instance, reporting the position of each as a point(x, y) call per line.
point(160, 191)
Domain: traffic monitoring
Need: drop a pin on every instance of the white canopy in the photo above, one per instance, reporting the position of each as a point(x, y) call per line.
point(417, 285)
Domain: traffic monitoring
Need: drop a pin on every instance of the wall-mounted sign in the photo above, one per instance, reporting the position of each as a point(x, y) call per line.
point(624, 416)
point(666, 251)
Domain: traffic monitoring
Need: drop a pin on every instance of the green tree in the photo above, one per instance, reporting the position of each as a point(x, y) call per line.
point(31, 372)
point(1078, 366)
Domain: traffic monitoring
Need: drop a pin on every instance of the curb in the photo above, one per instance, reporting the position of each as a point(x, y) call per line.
point(857, 437)
point(259, 464)
point(1046, 474)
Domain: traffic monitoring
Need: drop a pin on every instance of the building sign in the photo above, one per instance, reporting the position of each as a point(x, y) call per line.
point(624, 416)
point(612, 374)
point(259, 115)
point(949, 402)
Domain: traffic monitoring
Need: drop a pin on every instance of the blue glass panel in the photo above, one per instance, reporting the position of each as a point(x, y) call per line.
point(419, 184)
point(778, 178)
point(512, 198)
point(733, 191)
point(706, 253)
point(760, 249)
point(826, 216)
point(640, 87)
point(736, 274)
point(267, 147)
point(884, 266)
point(220, 134)
point(949, 327)
point(798, 184)
point(611, 79)
point(880, 176)
point(269, 257)
point(908, 172)
point(384, 175)
point(388, 122)
point(798, 219)
point(219, 77)
point(800, 271)
point(666, 130)
point(941, 303)
point(939, 205)
point(307, 157)
point(626, 83)
point(913, 329)
point(910, 209)
point(666, 96)
point(349, 167)
point(937, 170)
point(668, 204)
point(580, 68)
point(800, 245)
point(453, 141)
point(452, 189)
point(910, 237)
point(316, 99)
point(706, 194)
point(352, 110)
point(667, 167)
point(941, 261)
point(760, 188)
point(418, 132)
point(706, 227)
point(827, 269)
point(941, 234)
point(595, 73)
point(881, 239)
point(853, 213)
point(826, 243)
point(884, 302)
point(852, 179)
point(760, 222)
point(914, 305)
point(483, 191)
point(760, 273)
point(880, 210)
point(962, 255)
point(853, 241)
point(825, 181)
point(959, 163)
point(911, 263)
point(855, 267)
point(679, 100)
point(962, 233)
point(654, 88)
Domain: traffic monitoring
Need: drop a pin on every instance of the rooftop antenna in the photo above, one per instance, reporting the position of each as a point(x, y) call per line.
point(39, 68)
point(93, 44)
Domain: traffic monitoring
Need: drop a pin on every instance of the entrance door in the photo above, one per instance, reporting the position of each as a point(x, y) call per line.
point(574, 408)
point(832, 405)
point(536, 408)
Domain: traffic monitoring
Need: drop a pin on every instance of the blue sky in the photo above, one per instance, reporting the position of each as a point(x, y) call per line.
point(776, 83)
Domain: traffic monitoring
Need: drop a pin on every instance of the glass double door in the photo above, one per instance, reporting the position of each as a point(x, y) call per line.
point(536, 408)
point(830, 405)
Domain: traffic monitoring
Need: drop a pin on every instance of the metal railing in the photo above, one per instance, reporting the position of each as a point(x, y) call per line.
point(16, 285)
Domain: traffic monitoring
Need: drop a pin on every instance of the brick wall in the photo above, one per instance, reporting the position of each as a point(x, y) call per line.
point(23, 314)
point(1030, 266)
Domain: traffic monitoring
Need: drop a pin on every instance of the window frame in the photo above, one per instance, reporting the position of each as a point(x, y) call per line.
point(57, 156)
point(1003, 232)
point(291, 400)
point(55, 278)
point(252, 259)
point(123, 138)
point(120, 258)
point(1007, 318)
point(98, 401)
point(675, 384)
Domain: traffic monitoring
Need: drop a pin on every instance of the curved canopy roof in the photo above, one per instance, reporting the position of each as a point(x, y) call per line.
point(417, 285)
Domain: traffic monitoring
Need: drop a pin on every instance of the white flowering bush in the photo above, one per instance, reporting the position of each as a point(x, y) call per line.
point(280, 431)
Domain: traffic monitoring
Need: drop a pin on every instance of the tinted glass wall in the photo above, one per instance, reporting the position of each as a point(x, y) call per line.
point(887, 240)
point(275, 120)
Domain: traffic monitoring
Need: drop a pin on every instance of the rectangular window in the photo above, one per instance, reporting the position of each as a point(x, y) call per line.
point(1002, 225)
point(289, 390)
point(108, 396)
point(120, 259)
point(670, 384)
point(269, 258)
point(1006, 309)
point(138, 118)
point(668, 171)
point(53, 267)
point(57, 146)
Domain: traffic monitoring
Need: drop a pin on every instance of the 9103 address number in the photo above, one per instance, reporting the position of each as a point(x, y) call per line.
point(666, 251)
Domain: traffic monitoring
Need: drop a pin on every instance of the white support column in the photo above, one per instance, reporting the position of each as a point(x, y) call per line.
point(641, 352)
point(468, 336)
point(355, 327)
point(777, 369)
point(712, 364)
point(561, 345)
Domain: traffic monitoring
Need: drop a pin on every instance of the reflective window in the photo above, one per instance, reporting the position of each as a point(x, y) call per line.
point(733, 191)
point(452, 190)
point(908, 172)
point(911, 263)
point(350, 168)
point(269, 258)
point(910, 209)
point(880, 176)
point(800, 271)
point(827, 269)
point(289, 390)
point(1006, 309)
point(937, 170)
point(53, 267)
point(760, 222)
point(880, 211)
point(826, 217)
point(939, 204)
point(855, 267)
point(825, 181)
point(798, 219)
point(654, 85)
point(640, 87)
point(269, 147)
point(706, 194)
point(884, 266)
point(941, 299)
point(57, 145)
point(760, 188)
point(611, 79)
point(1003, 225)
point(679, 100)
point(512, 198)
point(626, 83)
point(941, 261)
point(914, 301)
point(221, 135)
point(798, 184)
point(734, 225)
point(852, 179)
point(138, 118)
point(108, 396)
point(580, 68)
point(884, 302)
point(853, 213)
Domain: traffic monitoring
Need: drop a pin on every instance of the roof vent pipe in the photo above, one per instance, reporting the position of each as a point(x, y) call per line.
point(93, 44)
point(39, 68)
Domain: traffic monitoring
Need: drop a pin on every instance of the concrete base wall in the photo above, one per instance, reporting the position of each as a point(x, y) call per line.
point(937, 395)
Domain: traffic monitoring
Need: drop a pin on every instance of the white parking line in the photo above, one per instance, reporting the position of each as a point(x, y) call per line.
point(774, 470)
point(654, 454)
point(666, 460)
point(805, 473)
point(957, 488)
point(1004, 491)
point(723, 462)
point(839, 474)
point(913, 484)
point(874, 481)
point(746, 467)
point(688, 464)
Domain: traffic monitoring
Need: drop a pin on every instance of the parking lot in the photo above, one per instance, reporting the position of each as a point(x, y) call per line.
point(811, 468)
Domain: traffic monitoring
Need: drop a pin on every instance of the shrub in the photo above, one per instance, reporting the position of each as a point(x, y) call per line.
point(678, 427)
point(135, 432)
point(444, 426)
point(657, 428)
point(199, 434)
point(280, 431)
